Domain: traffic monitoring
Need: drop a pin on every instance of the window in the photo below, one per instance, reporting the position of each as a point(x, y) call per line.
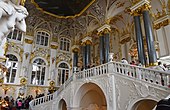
point(12, 68)
point(64, 44)
point(15, 35)
point(38, 72)
point(42, 38)
point(63, 73)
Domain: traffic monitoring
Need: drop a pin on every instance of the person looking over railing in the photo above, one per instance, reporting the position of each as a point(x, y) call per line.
point(124, 61)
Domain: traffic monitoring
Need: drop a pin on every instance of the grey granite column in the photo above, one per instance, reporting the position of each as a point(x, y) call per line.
point(101, 46)
point(139, 39)
point(88, 55)
point(106, 47)
point(149, 38)
point(84, 55)
point(75, 59)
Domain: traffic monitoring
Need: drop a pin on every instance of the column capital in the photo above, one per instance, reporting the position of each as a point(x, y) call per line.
point(75, 48)
point(87, 40)
point(29, 39)
point(139, 6)
point(54, 45)
point(104, 28)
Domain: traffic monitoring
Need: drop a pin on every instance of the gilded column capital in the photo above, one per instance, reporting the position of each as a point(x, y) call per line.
point(146, 7)
point(86, 41)
point(75, 48)
point(139, 6)
point(100, 33)
point(54, 45)
point(28, 41)
point(105, 28)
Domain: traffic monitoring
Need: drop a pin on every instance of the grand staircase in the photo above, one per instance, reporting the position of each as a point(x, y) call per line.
point(114, 78)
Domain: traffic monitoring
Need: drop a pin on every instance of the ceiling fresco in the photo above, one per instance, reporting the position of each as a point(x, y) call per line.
point(63, 8)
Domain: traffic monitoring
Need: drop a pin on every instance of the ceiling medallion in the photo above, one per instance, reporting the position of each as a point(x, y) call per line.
point(70, 10)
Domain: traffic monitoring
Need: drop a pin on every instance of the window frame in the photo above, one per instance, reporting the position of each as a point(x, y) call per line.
point(40, 66)
point(60, 71)
point(65, 44)
point(12, 62)
point(45, 36)
point(10, 36)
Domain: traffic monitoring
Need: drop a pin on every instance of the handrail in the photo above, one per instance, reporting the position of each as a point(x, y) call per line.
point(145, 74)
point(40, 100)
point(49, 97)
point(152, 76)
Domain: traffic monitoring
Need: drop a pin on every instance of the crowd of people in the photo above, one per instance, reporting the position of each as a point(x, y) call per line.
point(160, 66)
point(9, 103)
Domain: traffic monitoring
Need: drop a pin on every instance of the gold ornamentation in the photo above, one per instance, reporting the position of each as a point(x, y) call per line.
point(106, 31)
point(146, 7)
point(88, 42)
point(1, 81)
point(29, 41)
point(75, 50)
point(63, 17)
point(52, 83)
point(153, 64)
point(23, 81)
point(54, 46)
point(52, 88)
point(100, 33)
point(163, 23)
point(22, 2)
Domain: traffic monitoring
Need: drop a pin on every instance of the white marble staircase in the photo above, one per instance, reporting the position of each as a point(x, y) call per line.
point(158, 79)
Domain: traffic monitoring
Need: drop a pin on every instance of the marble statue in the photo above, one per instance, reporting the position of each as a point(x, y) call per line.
point(12, 15)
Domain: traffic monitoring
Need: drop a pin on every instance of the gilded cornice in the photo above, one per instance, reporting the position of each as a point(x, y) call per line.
point(28, 41)
point(54, 46)
point(139, 6)
point(75, 48)
point(64, 17)
point(162, 23)
point(87, 41)
point(104, 29)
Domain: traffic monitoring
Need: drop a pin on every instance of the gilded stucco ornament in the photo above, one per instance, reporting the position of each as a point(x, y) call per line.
point(23, 81)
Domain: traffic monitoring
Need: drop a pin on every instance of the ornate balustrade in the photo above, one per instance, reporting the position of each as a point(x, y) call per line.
point(41, 100)
point(145, 74)
point(49, 97)
point(152, 76)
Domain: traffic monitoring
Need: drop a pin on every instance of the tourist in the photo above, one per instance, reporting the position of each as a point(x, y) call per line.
point(124, 61)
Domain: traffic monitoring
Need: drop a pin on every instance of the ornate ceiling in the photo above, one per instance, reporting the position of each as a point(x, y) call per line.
point(63, 8)
point(99, 13)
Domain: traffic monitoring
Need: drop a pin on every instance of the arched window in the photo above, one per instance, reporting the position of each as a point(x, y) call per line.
point(38, 72)
point(65, 44)
point(42, 38)
point(63, 73)
point(15, 35)
point(12, 68)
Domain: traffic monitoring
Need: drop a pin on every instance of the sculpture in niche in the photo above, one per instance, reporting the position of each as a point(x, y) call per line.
point(11, 15)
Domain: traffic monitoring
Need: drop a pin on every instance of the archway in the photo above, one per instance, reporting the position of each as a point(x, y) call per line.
point(91, 97)
point(145, 104)
point(62, 105)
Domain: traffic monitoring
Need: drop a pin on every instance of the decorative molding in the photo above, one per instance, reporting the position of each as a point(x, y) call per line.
point(75, 48)
point(28, 41)
point(54, 45)
point(162, 21)
point(87, 40)
point(104, 28)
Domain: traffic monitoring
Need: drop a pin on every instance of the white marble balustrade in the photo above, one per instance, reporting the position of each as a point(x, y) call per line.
point(160, 78)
